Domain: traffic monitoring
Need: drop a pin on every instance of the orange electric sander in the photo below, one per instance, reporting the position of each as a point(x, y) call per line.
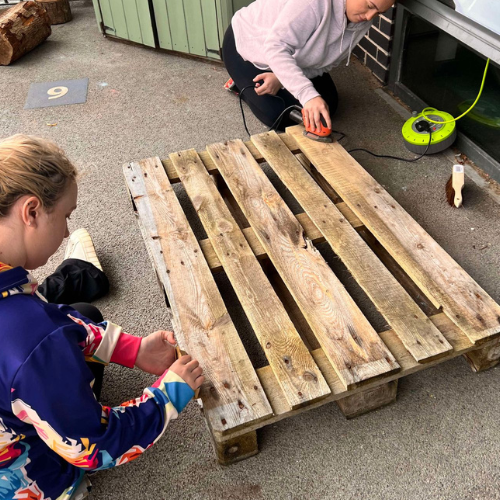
point(324, 134)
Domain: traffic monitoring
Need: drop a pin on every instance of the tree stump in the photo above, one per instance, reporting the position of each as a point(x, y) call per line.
point(22, 28)
point(59, 11)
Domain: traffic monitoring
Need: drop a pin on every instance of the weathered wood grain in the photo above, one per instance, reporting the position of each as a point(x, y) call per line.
point(461, 345)
point(293, 366)
point(422, 339)
point(212, 168)
point(232, 395)
point(351, 344)
point(432, 269)
point(312, 232)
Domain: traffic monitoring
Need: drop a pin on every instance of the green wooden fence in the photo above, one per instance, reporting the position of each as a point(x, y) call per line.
point(194, 27)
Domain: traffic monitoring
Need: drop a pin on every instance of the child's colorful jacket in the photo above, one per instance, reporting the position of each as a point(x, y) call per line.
point(52, 429)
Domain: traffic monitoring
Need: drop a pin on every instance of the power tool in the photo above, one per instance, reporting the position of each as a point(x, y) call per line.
point(324, 134)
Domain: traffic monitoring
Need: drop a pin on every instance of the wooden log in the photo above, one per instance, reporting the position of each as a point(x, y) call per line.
point(22, 28)
point(59, 11)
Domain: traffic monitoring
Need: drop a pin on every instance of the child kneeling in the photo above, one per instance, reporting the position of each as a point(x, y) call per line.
point(52, 427)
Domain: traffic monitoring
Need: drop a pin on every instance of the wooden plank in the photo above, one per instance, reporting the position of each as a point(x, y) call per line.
point(293, 366)
point(210, 26)
point(107, 16)
point(162, 24)
point(194, 27)
point(461, 345)
point(210, 165)
point(120, 23)
point(177, 22)
point(97, 11)
point(145, 22)
point(428, 265)
point(422, 339)
point(351, 344)
point(232, 395)
point(311, 231)
point(415, 293)
point(132, 20)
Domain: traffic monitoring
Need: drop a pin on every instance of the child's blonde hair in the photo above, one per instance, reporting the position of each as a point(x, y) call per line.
point(32, 166)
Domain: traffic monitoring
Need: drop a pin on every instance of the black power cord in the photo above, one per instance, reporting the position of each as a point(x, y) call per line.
point(275, 124)
point(423, 125)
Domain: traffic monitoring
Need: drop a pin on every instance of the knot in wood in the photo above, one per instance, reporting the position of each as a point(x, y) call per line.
point(233, 449)
point(310, 377)
point(224, 226)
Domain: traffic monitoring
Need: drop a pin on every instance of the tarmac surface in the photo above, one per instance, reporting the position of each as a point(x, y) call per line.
point(439, 440)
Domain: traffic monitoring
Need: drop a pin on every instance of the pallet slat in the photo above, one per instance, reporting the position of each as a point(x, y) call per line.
point(212, 168)
point(233, 395)
point(348, 339)
point(422, 339)
point(293, 366)
point(310, 229)
point(432, 269)
point(461, 345)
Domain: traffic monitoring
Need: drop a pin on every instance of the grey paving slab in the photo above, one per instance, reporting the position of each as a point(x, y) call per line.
point(59, 93)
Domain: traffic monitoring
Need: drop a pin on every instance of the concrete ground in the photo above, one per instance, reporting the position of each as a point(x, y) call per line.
point(440, 439)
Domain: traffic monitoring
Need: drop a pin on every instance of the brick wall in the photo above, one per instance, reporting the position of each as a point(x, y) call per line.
point(374, 50)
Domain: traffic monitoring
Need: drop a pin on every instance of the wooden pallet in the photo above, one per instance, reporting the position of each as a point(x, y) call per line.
point(318, 344)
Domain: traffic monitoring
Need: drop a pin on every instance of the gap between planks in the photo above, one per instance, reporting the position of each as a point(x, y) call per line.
point(348, 339)
point(299, 377)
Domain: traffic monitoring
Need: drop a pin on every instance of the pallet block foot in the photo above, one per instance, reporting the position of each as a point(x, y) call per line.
point(239, 448)
point(371, 399)
point(485, 358)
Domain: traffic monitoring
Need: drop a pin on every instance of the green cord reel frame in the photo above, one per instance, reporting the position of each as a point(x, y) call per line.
point(443, 135)
point(442, 124)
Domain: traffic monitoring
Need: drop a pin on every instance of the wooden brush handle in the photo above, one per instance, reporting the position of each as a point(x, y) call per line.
point(179, 353)
point(458, 181)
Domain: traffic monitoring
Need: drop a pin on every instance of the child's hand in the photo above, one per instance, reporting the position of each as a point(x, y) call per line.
point(189, 370)
point(157, 352)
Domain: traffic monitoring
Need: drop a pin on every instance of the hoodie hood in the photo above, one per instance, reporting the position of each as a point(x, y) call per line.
point(15, 281)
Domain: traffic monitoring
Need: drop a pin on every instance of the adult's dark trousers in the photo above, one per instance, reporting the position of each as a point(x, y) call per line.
point(77, 282)
point(267, 108)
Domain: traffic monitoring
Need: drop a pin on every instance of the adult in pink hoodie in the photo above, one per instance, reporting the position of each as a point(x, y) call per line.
point(286, 48)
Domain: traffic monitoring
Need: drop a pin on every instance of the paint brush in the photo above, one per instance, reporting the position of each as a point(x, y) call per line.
point(455, 185)
point(179, 353)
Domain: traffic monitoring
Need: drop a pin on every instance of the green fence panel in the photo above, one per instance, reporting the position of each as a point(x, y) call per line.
point(177, 22)
point(188, 26)
point(97, 12)
point(209, 12)
point(145, 21)
point(107, 17)
point(132, 20)
point(162, 24)
point(119, 21)
point(194, 27)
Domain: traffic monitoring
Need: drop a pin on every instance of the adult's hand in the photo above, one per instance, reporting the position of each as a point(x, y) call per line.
point(189, 370)
point(156, 353)
point(271, 84)
point(313, 110)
